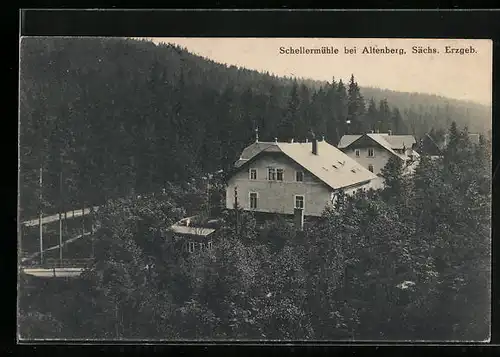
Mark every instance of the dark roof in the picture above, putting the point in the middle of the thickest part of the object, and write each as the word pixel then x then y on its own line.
pixel 429 147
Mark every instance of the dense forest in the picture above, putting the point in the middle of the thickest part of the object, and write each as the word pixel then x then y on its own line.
pixel 106 117
pixel 409 262
pixel 134 126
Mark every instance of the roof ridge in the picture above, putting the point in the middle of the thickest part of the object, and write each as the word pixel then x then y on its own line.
pixel 347 163
pixel 379 139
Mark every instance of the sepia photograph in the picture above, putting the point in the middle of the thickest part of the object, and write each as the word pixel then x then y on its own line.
pixel 254 189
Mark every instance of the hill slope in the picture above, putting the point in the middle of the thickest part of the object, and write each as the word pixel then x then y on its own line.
pixel 476 116
pixel 111 116
pixel 439 111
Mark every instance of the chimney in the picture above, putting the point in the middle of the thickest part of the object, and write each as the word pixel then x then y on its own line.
pixel 275 140
pixel 323 138
pixel 390 132
pixel 298 218
pixel 315 146
pixel 256 135
pixel 291 140
pixel 371 131
pixel 307 140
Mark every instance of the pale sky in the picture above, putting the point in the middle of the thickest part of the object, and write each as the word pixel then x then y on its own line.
pixel 460 76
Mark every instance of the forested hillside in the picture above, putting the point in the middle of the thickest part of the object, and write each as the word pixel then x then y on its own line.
pixel 424 110
pixel 409 262
pixel 106 117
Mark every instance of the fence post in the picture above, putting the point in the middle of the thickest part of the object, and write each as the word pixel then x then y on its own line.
pixel 40 223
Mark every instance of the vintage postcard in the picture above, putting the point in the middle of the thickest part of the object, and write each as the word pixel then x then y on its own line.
pixel 254 189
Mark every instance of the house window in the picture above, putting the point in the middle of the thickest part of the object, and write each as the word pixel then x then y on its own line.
pixel 299 176
pixel 370 153
pixel 202 246
pixel 191 247
pixel 299 201
pixel 370 167
pixel 253 200
pixel 209 245
pixel 356 152
pixel 253 174
pixel 271 174
pixel 274 174
pixel 279 174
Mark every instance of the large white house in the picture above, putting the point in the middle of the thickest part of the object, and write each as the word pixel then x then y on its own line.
pixel 373 150
pixel 279 177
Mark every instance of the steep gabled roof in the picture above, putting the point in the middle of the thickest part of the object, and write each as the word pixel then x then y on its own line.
pixel 395 141
pixel 347 140
pixel 388 142
pixel 400 141
pixel 252 150
pixel 330 165
pixel 429 147
pixel 384 143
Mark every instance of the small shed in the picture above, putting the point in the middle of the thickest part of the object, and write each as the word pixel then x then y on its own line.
pixel 194 238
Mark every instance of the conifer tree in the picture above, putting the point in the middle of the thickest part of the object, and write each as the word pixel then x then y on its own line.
pixel 288 126
pixel 341 112
pixel 393 175
pixel 397 124
pixel 355 107
pixel 319 121
pixel 371 115
pixel 384 117
pixel 303 119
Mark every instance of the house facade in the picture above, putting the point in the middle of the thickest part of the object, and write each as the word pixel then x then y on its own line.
pixel 280 177
pixel 373 150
